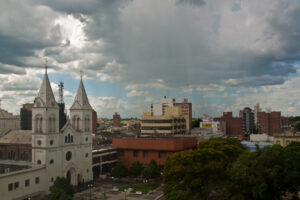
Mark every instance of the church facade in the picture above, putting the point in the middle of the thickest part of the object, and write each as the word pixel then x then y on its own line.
pixel 65 152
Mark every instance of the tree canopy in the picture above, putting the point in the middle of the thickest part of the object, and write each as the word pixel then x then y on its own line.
pixel 136 169
pixel 151 170
pixel 61 190
pixel 225 169
pixel 119 171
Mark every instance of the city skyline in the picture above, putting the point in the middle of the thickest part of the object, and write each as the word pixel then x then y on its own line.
pixel 222 56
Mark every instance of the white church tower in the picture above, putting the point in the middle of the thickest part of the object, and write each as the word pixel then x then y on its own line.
pixel 66 152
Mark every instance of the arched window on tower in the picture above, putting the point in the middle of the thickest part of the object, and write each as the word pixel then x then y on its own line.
pixel 51 124
pixel 38 124
pixel 87 123
pixel 75 122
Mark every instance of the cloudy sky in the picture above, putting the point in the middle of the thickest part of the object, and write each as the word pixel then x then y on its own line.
pixel 221 55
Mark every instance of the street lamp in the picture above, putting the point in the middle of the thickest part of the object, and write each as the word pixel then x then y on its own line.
pixel 90 186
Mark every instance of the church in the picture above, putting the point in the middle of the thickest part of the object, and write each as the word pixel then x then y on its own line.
pixel 65 152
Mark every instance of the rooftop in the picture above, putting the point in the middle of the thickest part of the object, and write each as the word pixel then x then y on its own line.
pixel 17 137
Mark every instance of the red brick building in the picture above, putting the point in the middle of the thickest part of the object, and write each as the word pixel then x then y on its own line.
pixel 155 148
pixel 234 125
pixel 16 145
pixel 186 109
pixel 116 120
pixel 269 123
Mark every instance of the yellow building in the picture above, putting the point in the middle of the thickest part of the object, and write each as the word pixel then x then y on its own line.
pixel 286 138
pixel 171 122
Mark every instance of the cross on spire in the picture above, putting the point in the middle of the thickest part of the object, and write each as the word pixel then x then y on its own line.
pixel 81 74
pixel 46 61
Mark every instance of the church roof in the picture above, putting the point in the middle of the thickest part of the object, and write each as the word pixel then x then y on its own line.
pixel 81 100
pixel 45 92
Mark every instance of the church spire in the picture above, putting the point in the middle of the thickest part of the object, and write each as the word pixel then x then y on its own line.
pixel 81 100
pixel 45 92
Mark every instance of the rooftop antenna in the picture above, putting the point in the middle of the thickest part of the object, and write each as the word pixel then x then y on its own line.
pixel 61 92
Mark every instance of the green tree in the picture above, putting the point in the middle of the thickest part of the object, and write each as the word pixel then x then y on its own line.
pixel 61 189
pixel 136 169
pixel 201 173
pixel 298 126
pixel 196 123
pixel 151 171
pixel 119 171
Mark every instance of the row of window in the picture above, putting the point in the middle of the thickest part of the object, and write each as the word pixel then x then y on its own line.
pixel 162 128
pixel 12 155
pixel 161 154
pixel 14 186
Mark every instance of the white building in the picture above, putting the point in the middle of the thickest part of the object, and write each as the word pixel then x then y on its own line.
pixel 158 109
pixel 55 153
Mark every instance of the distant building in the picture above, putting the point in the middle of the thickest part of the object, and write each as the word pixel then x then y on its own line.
pixel 234 125
pixel 25 116
pixel 256 110
pixel 62 115
pixel 116 120
pixel 16 145
pixel 170 123
pixel 185 108
pixel 248 120
pixel 94 122
pixel 269 123
pixel 210 126
pixel 8 121
pixel 146 149
pixel 286 138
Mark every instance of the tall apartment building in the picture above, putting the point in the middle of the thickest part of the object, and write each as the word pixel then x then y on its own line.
pixel 256 110
pixel 234 125
pixel 248 120
pixel 25 116
pixel 185 108
pixel 116 120
pixel 170 123
pixel 269 123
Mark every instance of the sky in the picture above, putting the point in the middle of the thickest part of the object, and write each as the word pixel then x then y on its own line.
pixel 221 55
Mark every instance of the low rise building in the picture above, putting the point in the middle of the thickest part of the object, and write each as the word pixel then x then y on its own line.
pixel 286 138
pixel 8 121
pixel 170 123
pixel 146 149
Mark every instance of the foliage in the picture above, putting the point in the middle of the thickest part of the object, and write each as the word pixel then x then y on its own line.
pixel 224 169
pixel 151 171
pixel 298 126
pixel 119 171
pixel 61 189
pixel 201 173
pixel 196 123
pixel 136 169
pixel 144 188
pixel 294 119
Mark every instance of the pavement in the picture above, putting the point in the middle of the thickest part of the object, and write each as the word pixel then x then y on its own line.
pixel 106 190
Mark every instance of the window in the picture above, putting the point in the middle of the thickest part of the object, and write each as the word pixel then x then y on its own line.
pixel 66 139
pixel 287 142
pixel 39 142
pixel 51 142
pixel 68 155
pixel 121 152
pixel 86 155
pixel 51 161
pixel 16 185
pixel 87 170
pixel 52 179
pixel 145 154
pixel 135 153
pixel 86 139
pixel 161 154
pixel 277 142
pixel 71 139
pixel 1 155
pixel 27 182
pixel 37 180
pixel 39 162
pixel 10 187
